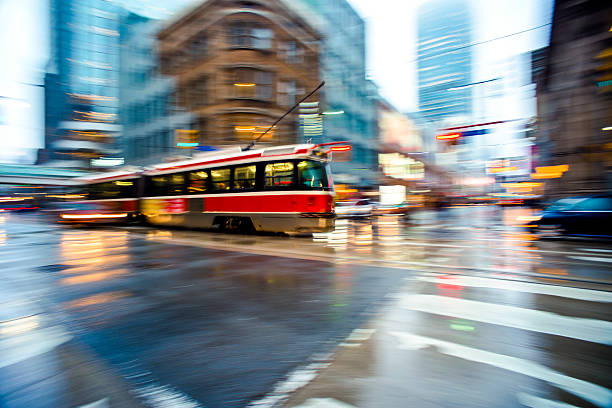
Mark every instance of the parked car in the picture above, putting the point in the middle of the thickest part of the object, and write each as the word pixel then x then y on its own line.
pixel 583 216
pixel 354 208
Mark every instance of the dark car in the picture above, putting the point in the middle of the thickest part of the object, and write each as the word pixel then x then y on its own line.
pixel 583 216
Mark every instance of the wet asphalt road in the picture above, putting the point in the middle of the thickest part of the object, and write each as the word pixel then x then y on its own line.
pixel 460 308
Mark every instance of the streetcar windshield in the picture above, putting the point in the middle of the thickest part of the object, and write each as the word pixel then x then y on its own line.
pixel 312 174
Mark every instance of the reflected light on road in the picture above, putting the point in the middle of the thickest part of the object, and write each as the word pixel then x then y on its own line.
pixel 20 325
pixel 462 325
pixel 97 299
pixel 448 282
pixel 153 235
pixel 93 277
pixel 552 271
pixel 363 236
pixel 389 231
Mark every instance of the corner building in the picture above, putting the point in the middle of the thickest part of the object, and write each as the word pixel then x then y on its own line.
pixel 239 66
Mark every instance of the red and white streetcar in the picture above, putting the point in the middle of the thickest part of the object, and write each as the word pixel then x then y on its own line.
pixel 275 189
pixel 107 198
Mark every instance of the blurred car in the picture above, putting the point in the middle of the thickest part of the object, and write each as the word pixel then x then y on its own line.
pixel 354 208
pixel 18 204
pixel 581 216
pixel 523 200
pixel 394 209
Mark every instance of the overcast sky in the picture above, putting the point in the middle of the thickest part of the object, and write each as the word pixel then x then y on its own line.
pixel 391 40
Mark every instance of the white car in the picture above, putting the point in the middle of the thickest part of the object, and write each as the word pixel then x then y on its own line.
pixel 354 208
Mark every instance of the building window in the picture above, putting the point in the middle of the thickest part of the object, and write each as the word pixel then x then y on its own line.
pixel 250 36
pixel 252 83
pixel 248 127
pixel 286 93
pixel 197 92
pixel 291 52
pixel 278 175
pixel 198 47
pixel 244 178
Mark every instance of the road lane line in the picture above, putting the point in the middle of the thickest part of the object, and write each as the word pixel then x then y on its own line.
pixel 596 331
pixel 526 287
pixel 161 396
pixel 591 258
pixel 102 403
pixel 324 403
pixel 532 401
pixel 297 379
pixel 596 394
pixel 595 250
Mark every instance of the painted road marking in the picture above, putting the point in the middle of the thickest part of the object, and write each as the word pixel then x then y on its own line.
pixel 102 403
pixel 324 403
pixel 532 401
pixel 297 379
pixel 360 334
pixel 595 250
pixel 552 290
pixel 596 331
pixel 15 349
pixel 591 392
pixel 591 258
pixel 161 396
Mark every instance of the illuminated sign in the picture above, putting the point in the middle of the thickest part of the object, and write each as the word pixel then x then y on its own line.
pixel 449 136
pixel 107 161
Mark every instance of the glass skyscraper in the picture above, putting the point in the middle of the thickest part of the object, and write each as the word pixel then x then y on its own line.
pixel 81 83
pixel 444 60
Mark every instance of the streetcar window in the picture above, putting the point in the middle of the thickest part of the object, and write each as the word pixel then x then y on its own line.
pixel 311 174
pixel 198 182
pixel 158 186
pixel 176 184
pixel 244 177
pixel 278 174
pixel 111 189
pixel 220 179
pixel 127 188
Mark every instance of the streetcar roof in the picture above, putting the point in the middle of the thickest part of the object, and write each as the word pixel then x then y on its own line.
pixel 122 174
pixel 236 155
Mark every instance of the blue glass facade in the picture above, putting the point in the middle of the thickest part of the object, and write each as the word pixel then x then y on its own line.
pixel 443 60
pixel 147 107
pixel 342 64
pixel 81 84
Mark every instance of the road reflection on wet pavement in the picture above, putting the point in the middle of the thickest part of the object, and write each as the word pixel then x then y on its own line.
pixel 457 308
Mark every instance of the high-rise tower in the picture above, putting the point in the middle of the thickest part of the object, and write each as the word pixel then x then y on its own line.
pixel 444 59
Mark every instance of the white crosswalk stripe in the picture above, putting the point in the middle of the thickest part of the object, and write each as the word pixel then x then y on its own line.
pixel 592 330
pixel 527 287
pixel 588 391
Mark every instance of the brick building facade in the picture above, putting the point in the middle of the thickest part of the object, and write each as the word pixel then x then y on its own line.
pixel 239 66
